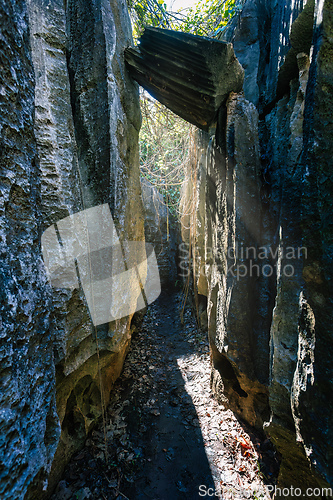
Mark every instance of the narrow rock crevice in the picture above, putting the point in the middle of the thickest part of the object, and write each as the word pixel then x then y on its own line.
pixel 166 435
pixel 244 402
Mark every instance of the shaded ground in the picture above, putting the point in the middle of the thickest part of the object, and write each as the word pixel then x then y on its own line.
pixel 168 439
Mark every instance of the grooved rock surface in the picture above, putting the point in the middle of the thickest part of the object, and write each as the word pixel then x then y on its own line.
pixel 193 223
pixel 234 297
pixel 69 131
pixel 313 381
pixel 268 190
pixel 191 75
pixel 28 420
pixel 162 231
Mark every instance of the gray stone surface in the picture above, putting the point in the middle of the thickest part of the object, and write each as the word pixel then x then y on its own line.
pixel 162 231
pixel 312 385
pixel 28 421
pixel 268 185
pixel 69 129
pixel 193 223
pixel 191 75
pixel 246 42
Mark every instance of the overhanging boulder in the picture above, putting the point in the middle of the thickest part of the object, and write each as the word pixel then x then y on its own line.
pixel 191 75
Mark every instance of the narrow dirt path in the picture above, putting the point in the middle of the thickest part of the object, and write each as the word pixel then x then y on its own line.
pixel 168 439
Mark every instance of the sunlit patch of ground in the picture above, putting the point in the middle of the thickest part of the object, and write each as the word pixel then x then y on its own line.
pixel 166 436
pixel 232 456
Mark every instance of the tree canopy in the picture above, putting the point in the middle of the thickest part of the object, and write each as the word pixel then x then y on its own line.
pixel 166 139
pixel 206 17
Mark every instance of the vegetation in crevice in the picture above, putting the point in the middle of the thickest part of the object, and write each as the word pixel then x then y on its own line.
pixel 166 140
pixel 206 18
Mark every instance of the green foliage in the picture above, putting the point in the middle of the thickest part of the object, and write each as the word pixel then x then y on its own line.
pixel 148 13
pixel 164 149
pixel 207 17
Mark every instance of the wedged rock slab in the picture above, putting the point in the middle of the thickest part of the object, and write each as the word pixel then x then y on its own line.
pixel 191 75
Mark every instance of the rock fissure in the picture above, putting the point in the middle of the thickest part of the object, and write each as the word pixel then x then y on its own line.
pixel 166 434
pixel 192 406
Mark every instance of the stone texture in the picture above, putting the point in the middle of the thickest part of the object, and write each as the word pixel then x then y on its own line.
pixel 287 118
pixel 193 222
pixel 268 187
pixel 234 295
pixel 69 131
pixel 225 218
pixel 246 43
pixel 162 231
pixel 299 384
pixel 281 17
pixel 301 40
pixel 312 385
pixel 28 419
pixel 191 75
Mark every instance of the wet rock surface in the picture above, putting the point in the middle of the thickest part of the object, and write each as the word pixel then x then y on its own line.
pixel 165 433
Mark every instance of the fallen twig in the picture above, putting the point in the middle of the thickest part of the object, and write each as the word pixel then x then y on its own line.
pixel 189 449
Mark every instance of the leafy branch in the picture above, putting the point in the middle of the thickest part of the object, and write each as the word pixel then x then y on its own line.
pixel 165 139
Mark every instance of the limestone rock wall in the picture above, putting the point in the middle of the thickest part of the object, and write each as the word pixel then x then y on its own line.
pixel 162 231
pixel 69 141
pixel 268 191
pixel 193 221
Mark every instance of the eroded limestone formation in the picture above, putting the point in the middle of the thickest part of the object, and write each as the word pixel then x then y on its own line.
pixel 69 141
pixel 191 75
pixel 264 193
pixel 262 184
pixel 162 231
